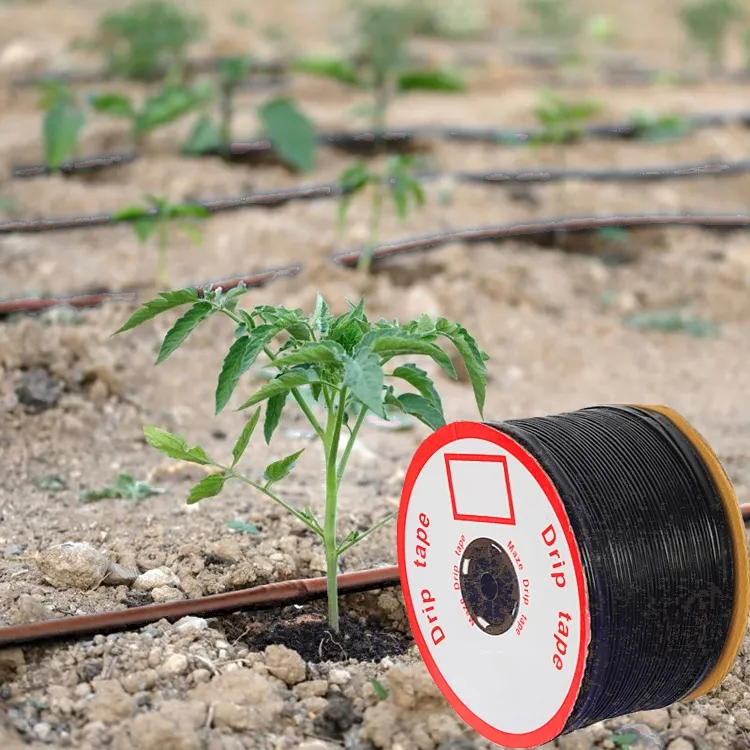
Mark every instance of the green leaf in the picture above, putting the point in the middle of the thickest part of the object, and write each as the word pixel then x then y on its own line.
pixel 379 690
pixel 62 127
pixel 430 80
pixel 210 486
pixel 395 343
pixel 472 357
pixel 175 446
pixel 240 358
pixel 274 408
pixel 145 227
pixel 167 106
pixel 244 527
pixel 244 439
pixel 425 410
pixel 203 137
pixel 328 67
pixel 281 384
pixel 419 379
pixel 113 105
pixel 165 301
pixel 232 70
pixel 182 328
pixel 277 470
pixel 187 211
pixel 291 132
pixel 193 233
pixel 321 319
pixel 323 352
pixel 363 376
pixel 130 213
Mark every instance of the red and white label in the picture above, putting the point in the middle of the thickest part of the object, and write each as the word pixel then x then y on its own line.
pixel 468 481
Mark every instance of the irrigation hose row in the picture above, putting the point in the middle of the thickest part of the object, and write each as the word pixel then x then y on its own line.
pixel 259 597
pixel 545 231
pixel 495 178
pixel 399 139
pixel 277 69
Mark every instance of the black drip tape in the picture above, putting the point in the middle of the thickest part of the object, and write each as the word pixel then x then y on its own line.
pixel 656 550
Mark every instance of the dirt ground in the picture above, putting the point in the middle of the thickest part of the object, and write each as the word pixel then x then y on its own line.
pixel 73 400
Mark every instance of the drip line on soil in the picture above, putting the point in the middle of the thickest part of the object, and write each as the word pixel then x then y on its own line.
pixel 397 139
pixel 611 73
pixel 277 198
pixel 551 228
pixel 546 231
pixel 38 304
pixel 102 75
pixel 269 596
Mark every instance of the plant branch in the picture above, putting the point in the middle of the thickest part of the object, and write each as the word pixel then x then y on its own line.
pixel 350 442
pixel 311 523
pixel 382 522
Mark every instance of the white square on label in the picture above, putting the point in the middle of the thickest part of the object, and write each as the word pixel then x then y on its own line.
pixel 479 487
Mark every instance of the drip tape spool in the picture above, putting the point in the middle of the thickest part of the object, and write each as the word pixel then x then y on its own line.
pixel 560 571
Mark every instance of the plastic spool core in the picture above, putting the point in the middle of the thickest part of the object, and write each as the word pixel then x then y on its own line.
pixel 489 586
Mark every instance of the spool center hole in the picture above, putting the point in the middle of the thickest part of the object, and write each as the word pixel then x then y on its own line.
pixel 489 586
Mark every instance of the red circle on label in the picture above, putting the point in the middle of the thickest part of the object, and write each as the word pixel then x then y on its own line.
pixel 439 439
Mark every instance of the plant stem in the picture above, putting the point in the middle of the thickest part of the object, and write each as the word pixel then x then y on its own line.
pixel 225 126
pixel 333 433
pixel 162 275
pixel 382 522
pixel 365 259
pixel 350 442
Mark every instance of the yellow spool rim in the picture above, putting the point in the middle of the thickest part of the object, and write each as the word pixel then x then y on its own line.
pixel 738 622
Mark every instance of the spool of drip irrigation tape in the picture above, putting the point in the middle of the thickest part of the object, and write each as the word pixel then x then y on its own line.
pixel 564 570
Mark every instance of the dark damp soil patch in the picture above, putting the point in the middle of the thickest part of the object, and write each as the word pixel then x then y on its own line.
pixel 306 631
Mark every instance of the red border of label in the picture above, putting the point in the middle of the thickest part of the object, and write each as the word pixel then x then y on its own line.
pixel 483 458
pixel 439 439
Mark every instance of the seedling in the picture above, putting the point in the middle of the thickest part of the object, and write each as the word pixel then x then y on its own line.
pixel 167 106
pixel 242 527
pixel 453 20
pixel 147 39
pixel 554 21
pixel 381 62
pixel 62 124
pixel 125 488
pixel 707 23
pixel 653 127
pixel 282 122
pixel 347 361
pixel 561 122
pixel 672 320
pixel 157 218
pixel 397 181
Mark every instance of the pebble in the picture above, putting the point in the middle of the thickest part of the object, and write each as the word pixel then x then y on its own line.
pixel 175 664
pixel 694 723
pixel 742 719
pixel 680 744
pixel 42 730
pixel 155 578
pixel 166 594
pixel 200 676
pixel 285 664
pixel 658 719
pixel 72 565
pixel 339 676
pixel 191 624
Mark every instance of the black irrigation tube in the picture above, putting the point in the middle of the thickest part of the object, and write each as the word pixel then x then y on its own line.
pixel 544 231
pixel 102 75
pixel 614 73
pixel 402 139
pixel 39 304
pixel 278 198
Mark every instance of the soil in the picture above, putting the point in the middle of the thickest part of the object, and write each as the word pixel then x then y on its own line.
pixel 561 325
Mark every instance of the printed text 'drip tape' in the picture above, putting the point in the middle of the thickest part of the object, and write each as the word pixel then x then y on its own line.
pixel 479 486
